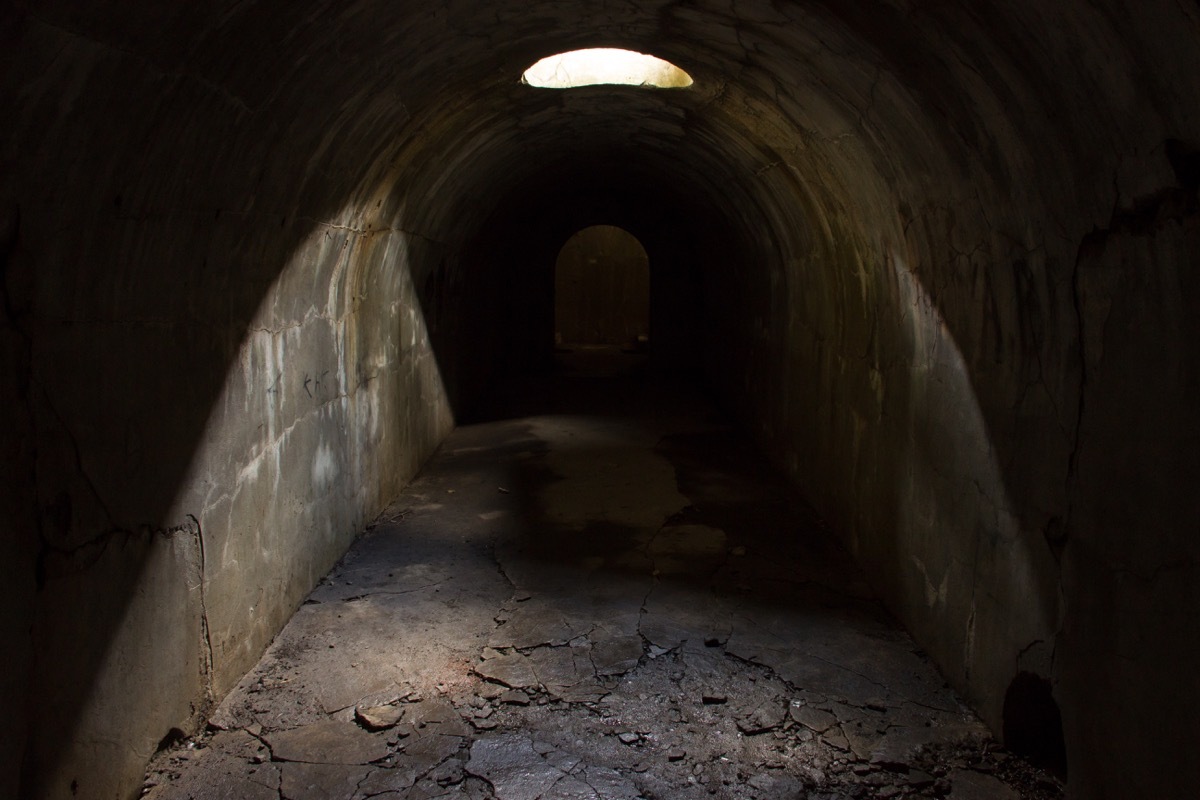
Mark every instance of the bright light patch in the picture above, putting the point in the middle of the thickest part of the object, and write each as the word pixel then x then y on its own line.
pixel 605 65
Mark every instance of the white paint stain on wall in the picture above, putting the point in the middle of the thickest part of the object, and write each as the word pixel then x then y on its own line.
pixel 324 467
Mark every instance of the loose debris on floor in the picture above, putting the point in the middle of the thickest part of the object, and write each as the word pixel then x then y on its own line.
pixel 583 605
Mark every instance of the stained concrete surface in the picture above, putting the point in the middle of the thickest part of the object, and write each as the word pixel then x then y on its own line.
pixel 604 593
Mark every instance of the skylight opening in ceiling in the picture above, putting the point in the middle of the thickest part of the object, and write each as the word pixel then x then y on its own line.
pixel 605 65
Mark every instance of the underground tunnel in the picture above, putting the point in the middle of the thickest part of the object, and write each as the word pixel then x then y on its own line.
pixel 936 261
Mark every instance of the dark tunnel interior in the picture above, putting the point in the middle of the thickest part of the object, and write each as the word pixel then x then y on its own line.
pixel 937 260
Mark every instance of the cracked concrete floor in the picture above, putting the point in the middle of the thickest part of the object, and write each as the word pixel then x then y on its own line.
pixel 604 594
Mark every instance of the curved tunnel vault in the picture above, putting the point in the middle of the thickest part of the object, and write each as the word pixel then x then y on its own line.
pixel 940 262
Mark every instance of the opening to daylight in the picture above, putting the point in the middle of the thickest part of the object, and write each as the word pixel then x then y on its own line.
pixel 602 290
pixel 603 65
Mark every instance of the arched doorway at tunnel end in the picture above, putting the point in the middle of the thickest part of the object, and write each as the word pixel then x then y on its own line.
pixel 602 291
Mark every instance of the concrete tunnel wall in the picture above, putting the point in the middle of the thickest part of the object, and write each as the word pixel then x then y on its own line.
pixel 941 262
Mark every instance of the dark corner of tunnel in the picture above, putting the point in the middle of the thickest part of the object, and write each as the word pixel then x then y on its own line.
pixel 1033 725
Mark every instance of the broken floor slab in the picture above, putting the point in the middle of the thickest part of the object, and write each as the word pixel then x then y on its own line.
pixel 329 742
